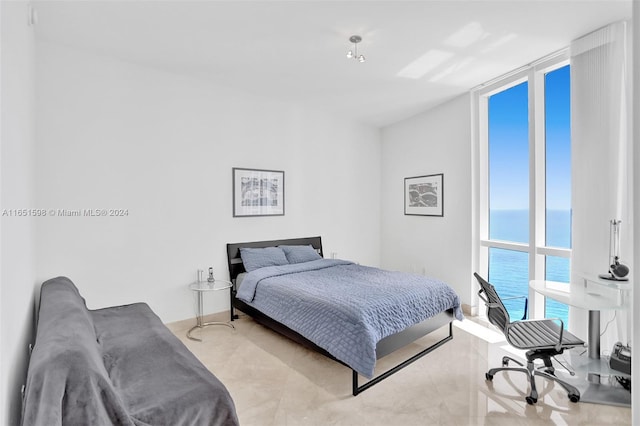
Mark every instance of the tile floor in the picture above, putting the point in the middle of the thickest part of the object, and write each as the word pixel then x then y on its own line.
pixel 275 381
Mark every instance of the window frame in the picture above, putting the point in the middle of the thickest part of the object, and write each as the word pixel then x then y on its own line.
pixel 534 75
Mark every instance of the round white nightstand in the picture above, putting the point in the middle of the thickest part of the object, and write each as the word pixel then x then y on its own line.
pixel 200 288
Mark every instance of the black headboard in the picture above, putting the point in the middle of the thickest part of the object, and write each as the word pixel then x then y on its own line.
pixel 235 261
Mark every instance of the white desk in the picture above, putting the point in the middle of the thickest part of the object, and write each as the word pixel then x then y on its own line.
pixel 594 295
pixel 597 385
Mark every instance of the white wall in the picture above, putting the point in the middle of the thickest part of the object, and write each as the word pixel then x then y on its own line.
pixel 635 367
pixel 437 141
pixel 17 259
pixel 113 134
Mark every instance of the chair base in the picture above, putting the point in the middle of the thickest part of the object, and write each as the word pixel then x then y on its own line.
pixel 546 371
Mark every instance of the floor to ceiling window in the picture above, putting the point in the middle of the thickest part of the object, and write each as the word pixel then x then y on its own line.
pixel 508 124
pixel 557 120
pixel 525 182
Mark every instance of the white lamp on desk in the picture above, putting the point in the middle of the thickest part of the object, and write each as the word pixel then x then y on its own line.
pixel 617 271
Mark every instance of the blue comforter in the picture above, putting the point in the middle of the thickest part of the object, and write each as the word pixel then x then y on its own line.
pixel 346 308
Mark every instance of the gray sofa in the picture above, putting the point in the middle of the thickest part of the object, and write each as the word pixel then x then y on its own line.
pixel 115 366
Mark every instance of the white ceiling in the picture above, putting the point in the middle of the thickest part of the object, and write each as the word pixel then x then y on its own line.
pixel 295 50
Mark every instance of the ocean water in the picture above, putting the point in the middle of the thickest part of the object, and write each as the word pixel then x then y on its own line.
pixel 509 270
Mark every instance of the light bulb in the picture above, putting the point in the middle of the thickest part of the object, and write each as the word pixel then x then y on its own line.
pixel 350 54
pixel 361 58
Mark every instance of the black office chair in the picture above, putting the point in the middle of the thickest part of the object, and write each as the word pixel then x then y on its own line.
pixel 544 339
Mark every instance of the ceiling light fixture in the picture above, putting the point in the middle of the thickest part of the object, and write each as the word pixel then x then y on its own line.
pixel 353 54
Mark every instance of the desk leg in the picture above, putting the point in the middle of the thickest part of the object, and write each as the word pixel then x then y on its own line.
pixel 594 334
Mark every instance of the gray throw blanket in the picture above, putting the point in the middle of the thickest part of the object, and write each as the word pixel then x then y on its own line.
pixel 346 308
pixel 115 366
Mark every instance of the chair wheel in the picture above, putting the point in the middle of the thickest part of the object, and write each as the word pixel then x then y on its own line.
pixel 574 398
pixel 531 400
pixel 488 376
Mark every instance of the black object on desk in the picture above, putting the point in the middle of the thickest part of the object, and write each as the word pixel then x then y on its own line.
pixel 621 358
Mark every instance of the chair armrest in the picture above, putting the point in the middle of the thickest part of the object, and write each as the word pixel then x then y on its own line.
pixel 486 301
pixel 559 345
pixel 526 303
pixel 513 297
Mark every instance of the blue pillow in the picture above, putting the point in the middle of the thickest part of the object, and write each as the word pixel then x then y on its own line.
pixel 255 258
pixel 299 254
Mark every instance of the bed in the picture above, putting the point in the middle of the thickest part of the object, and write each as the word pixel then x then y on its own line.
pixel 289 287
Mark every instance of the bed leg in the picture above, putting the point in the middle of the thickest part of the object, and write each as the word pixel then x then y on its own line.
pixel 358 389
pixel 231 309
pixel 355 388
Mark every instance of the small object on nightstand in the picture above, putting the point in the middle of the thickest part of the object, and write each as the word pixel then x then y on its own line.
pixel 211 279
pixel 200 275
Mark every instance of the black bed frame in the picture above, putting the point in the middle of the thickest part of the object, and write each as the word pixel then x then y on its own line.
pixel 384 347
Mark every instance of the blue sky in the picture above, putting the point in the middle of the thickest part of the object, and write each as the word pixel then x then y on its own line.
pixel 558 138
pixel 509 147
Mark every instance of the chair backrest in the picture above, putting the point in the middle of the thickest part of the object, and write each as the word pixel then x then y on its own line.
pixel 496 312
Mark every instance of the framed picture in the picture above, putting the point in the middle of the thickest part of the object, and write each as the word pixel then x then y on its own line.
pixel 424 195
pixel 258 192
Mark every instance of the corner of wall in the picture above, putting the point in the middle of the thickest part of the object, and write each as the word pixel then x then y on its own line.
pixel 17 239
pixel 636 207
pixel 435 141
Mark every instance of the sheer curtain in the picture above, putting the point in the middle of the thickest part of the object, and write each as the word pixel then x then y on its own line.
pixel 601 163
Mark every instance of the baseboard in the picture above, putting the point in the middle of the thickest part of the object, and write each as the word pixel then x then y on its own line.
pixel 468 310
pixel 190 322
